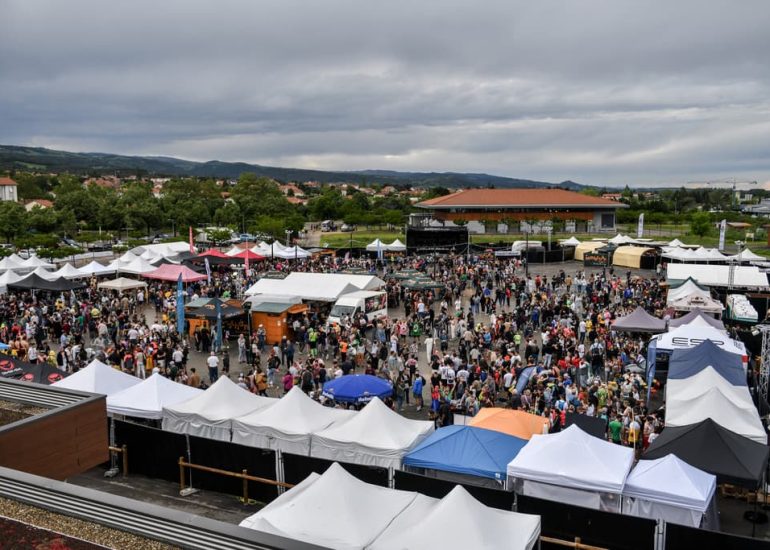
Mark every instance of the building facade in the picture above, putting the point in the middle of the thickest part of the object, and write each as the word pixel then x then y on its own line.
pixel 525 210
pixel 8 190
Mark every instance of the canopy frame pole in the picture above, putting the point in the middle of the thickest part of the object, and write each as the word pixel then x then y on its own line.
pixel 764 364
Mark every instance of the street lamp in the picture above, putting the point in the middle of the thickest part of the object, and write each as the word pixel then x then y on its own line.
pixel 247 308
pixel 288 236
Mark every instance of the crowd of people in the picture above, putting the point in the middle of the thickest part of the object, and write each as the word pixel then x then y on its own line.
pixel 489 333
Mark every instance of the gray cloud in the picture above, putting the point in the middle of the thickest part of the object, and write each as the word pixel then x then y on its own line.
pixel 601 91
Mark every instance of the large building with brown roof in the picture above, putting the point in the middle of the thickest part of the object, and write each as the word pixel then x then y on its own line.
pixel 525 207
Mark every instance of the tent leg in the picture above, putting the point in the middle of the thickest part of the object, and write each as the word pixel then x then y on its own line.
pixel 391 478
pixel 279 473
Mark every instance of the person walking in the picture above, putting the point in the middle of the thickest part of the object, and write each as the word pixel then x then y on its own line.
pixel 213 364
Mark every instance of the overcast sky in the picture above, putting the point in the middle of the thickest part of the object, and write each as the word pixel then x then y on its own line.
pixel 601 92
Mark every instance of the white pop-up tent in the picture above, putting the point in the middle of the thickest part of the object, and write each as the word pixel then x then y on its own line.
pixel 8 278
pixel 593 476
pixel 396 246
pixel 430 523
pixel 147 399
pixel 121 284
pixel 33 262
pixel 287 425
pixel 376 436
pixel 44 273
pixel 709 395
pixel 671 490
pixel 95 268
pixel 746 255
pixel 137 266
pixel 572 241
pixel 742 276
pixel 695 332
pixel 330 510
pixel 68 271
pixel 687 288
pixel 98 378
pixel 376 245
pixel 9 264
pixel 210 413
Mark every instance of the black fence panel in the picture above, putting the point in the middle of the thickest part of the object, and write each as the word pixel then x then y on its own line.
pixel 679 536
pixel 604 529
pixel 297 467
pixel 438 488
pixel 233 458
pixel 151 452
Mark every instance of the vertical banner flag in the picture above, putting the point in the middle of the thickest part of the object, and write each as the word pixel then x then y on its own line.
pixel 379 249
pixel 722 230
pixel 179 307
pixel 208 269
pixel 219 324
pixel 640 227
pixel 192 248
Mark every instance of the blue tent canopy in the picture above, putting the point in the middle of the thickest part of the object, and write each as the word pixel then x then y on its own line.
pixel 357 388
pixel 685 363
pixel 466 450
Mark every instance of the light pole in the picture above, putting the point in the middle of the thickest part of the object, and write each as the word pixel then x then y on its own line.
pixel 288 236
pixel 247 309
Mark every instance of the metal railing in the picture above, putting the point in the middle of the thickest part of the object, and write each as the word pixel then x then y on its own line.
pixel 243 475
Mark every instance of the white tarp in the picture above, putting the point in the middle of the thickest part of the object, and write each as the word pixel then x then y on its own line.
pixel 95 268
pixel 98 378
pixel 147 399
pixel 210 413
pixel 746 255
pixel 747 276
pixel 668 489
pixel 34 262
pixel 9 264
pixel 687 288
pixel 693 333
pixel 376 436
pixel 709 395
pixel 594 466
pixel 68 271
pixel 430 523
pixel 316 286
pixel 138 266
pixel 287 425
pixel 333 510
pixel 122 283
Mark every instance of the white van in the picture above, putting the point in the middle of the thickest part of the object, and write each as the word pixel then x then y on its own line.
pixel 373 303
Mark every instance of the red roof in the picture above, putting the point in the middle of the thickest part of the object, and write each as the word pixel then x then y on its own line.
pixel 253 257
pixel 171 272
pixel 45 203
pixel 7 181
pixel 212 252
pixel 507 198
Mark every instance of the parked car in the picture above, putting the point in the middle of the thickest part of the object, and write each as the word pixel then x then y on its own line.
pixel 347 228
pixel 246 237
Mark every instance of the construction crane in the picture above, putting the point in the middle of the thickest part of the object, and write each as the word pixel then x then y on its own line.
pixel 733 182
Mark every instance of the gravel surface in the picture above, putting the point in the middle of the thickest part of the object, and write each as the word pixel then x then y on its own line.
pixel 84 530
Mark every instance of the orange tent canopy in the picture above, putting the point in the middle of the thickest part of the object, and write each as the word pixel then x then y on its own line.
pixel 516 423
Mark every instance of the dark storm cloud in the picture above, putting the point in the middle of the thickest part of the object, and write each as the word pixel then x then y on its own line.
pixel 596 91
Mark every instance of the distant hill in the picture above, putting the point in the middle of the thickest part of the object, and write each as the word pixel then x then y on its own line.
pixel 14 157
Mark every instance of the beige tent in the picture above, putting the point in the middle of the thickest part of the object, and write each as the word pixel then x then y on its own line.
pixel 633 256
pixel 585 247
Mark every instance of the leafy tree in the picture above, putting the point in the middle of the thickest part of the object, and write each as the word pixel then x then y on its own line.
pixel 700 224
pixel 13 219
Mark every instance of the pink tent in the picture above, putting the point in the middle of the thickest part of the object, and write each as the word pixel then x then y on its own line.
pixel 252 256
pixel 171 272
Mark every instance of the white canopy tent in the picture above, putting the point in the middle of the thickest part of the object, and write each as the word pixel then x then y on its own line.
pixel 147 399
pixel 621 239
pixel 376 245
pixel 8 278
pixel 127 257
pixel 138 266
pixel 44 273
pixel 330 510
pixel 695 332
pixel 746 256
pixel 234 250
pixel 593 476
pixel 743 276
pixel 287 425
pixel 692 302
pixel 33 262
pixel 163 249
pixel 210 413
pixel 671 490
pixel 709 395
pixel 687 288
pixel 68 271
pixel 95 269
pixel 679 254
pixel 376 436
pixel 316 286
pixel 572 241
pixel 9 264
pixel 397 246
pixel 98 378
pixel 121 284
pixel 291 253
pixel 429 523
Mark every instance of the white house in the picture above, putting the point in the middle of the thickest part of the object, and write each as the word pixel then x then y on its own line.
pixel 8 189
